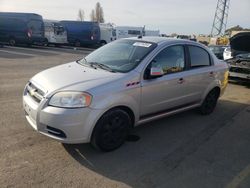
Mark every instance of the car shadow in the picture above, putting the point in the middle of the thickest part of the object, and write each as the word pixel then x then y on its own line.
pixel 164 144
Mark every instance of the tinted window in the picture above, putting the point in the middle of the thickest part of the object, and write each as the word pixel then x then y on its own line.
pixel 171 59
pixel 198 56
pixel 134 32
pixel 36 26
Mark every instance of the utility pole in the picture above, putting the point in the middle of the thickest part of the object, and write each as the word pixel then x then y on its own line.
pixel 220 18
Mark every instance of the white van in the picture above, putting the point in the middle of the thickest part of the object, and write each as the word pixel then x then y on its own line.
pixel 108 33
pixel 55 33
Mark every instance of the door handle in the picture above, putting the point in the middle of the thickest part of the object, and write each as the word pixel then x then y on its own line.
pixel 211 74
pixel 181 80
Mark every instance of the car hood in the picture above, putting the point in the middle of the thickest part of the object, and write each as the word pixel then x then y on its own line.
pixel 240 43
pixel 67 76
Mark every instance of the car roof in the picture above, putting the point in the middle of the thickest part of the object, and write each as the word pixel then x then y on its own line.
pixel 160 40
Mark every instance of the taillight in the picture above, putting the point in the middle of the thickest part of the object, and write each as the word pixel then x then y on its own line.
pixel 29 33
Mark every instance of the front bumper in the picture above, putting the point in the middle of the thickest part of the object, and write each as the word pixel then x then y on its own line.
pixel 64 125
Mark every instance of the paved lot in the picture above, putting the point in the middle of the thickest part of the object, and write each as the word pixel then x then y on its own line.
pixel 185 150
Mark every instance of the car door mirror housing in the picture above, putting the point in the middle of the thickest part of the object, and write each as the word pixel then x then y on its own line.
pixel 156 72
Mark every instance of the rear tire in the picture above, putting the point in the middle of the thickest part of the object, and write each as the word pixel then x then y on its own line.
pixel 12 42
pixel 111 130
pixel 209 103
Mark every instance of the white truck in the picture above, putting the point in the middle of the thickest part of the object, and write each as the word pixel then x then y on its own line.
pixel 108 33
pixel 55 33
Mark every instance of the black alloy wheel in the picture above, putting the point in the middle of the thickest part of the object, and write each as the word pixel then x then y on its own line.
pixel 111 130
pixel 209 102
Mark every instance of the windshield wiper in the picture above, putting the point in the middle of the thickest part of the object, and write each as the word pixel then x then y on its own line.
pixel 100 65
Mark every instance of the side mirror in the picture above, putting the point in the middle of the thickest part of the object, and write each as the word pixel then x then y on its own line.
pixel 156 72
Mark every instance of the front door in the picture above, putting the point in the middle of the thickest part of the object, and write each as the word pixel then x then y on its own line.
pixel 170 90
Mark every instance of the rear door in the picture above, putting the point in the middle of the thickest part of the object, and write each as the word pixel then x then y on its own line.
pixel 200 73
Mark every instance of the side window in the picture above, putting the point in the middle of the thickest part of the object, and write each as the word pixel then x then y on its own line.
pixel 134 32
pixel 35 25
pixel 199 57
pixel 171 59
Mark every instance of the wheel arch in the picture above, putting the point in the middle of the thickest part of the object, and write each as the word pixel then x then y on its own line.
pixel 216 88
pixel 122 107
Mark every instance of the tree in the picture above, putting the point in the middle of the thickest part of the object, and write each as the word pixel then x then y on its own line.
pixel 97 14
pixel 235 28
pixel 92 16
pixel 80 16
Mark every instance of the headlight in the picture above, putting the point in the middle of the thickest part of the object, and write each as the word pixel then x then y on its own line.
pixel 70 99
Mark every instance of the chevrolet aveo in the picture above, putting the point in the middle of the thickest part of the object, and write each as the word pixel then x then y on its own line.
pixel 99 98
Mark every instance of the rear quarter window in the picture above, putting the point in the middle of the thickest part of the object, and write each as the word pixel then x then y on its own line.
pixel 198 57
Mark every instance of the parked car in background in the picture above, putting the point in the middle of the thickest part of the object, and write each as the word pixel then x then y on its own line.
pixel 82 33
pixel 108 33
pixel 25 28
pixel 240 62
pixel 227 54
pixel 217 50
pixel 125 83
pixel 55 33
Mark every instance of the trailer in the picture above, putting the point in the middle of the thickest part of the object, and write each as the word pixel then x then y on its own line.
pixel 128 31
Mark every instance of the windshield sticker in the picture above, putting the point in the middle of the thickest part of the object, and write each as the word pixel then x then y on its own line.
pixel 142 44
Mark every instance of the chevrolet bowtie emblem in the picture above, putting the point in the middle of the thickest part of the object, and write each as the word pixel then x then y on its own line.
pixel 32 92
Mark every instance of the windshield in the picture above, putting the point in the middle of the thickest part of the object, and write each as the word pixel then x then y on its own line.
pixel 58 29
pixel 121 55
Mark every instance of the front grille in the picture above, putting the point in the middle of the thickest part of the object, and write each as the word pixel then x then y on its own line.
pixel 35 93
pixel 240 70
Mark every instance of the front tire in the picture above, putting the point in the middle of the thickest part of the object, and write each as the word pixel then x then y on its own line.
pixel 209 102
pixel 111 130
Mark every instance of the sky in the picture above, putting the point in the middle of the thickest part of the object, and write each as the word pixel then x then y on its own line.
pixel 168 16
